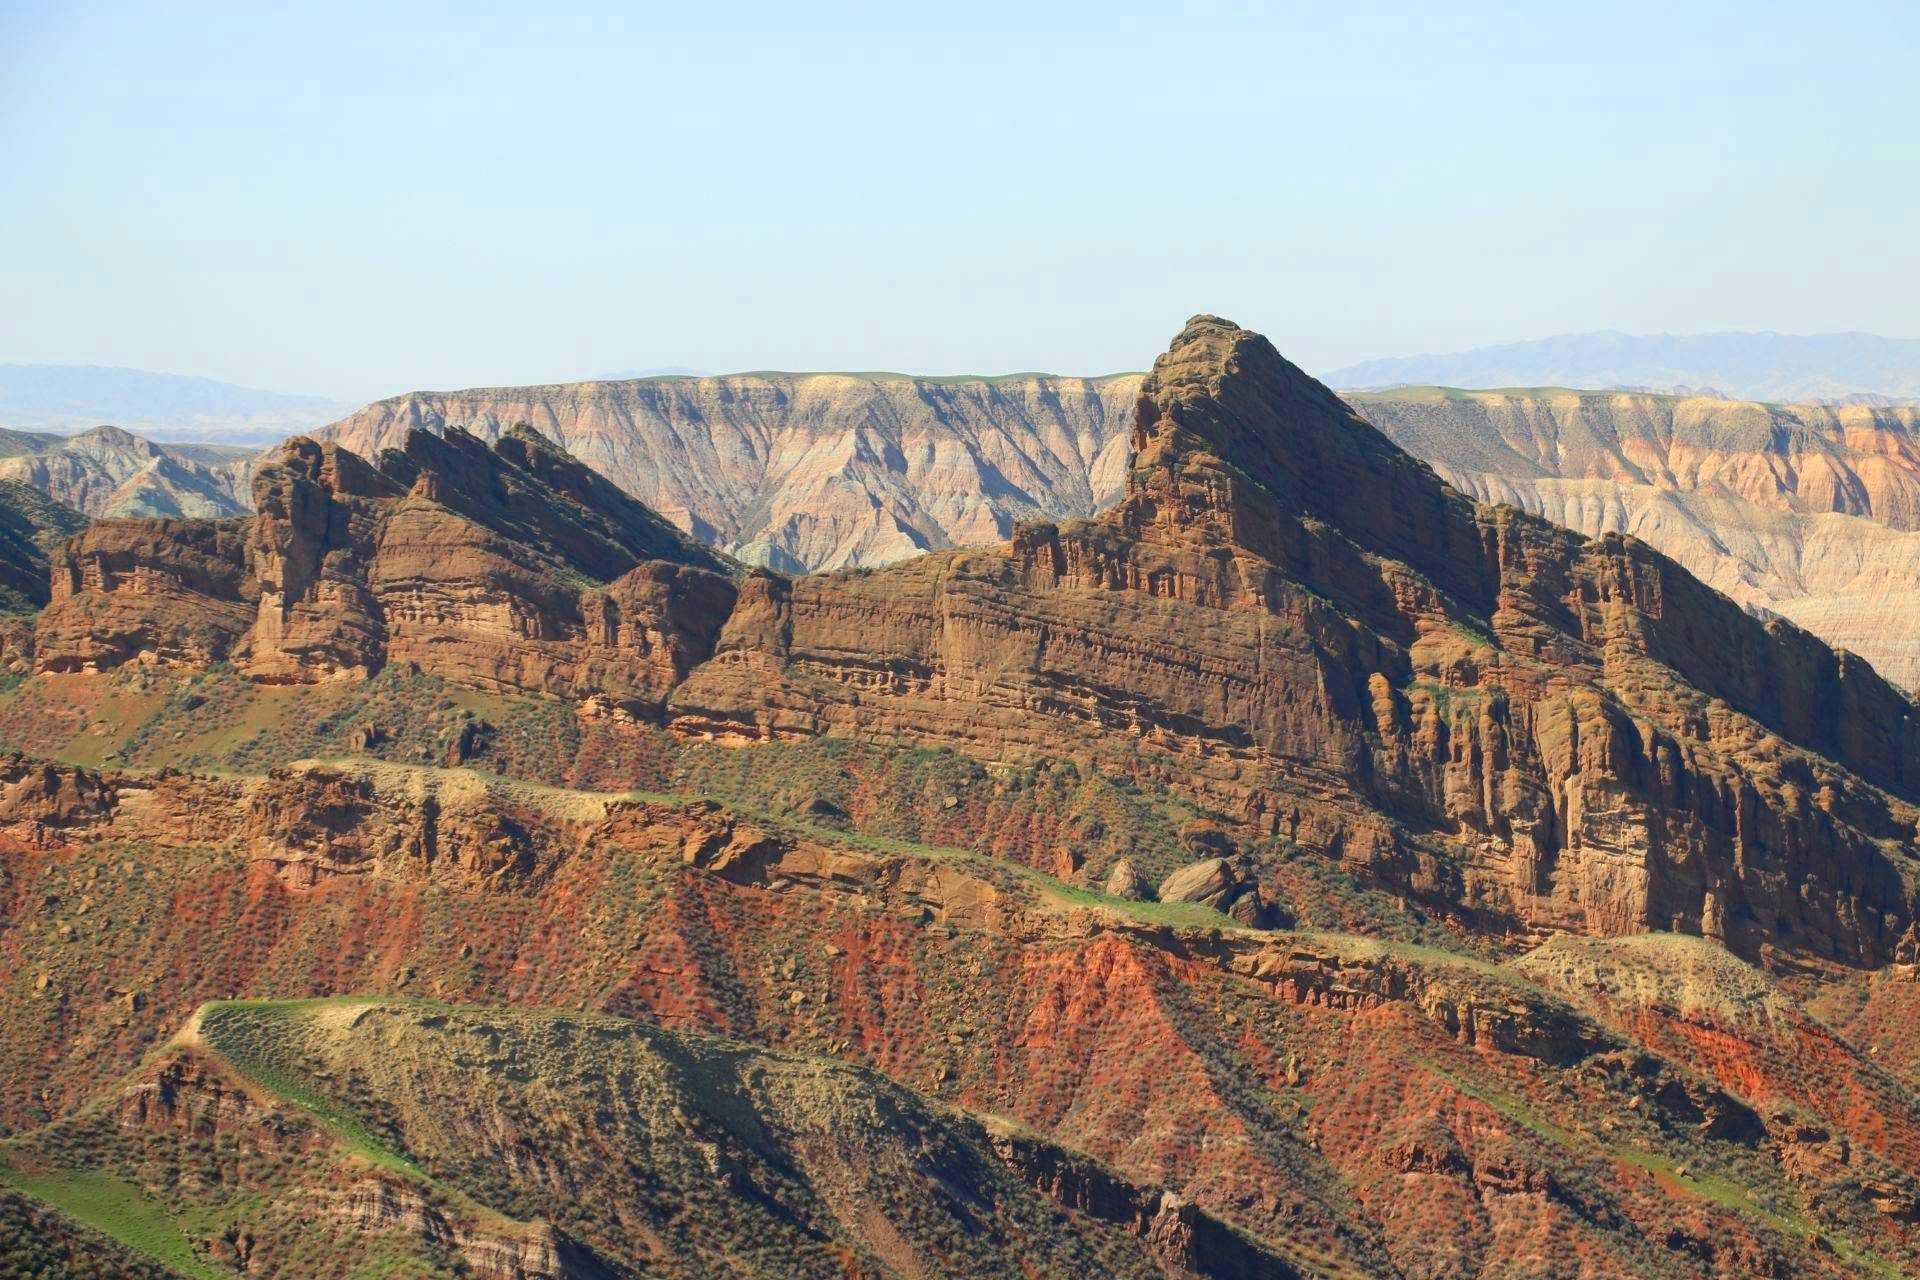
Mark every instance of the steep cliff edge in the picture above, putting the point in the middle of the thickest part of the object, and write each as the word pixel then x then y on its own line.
pixel 1806 511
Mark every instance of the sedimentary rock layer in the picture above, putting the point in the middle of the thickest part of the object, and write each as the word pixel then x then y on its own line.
pixel 1297 623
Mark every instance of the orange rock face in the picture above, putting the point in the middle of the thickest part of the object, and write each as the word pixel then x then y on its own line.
pixel 1811 512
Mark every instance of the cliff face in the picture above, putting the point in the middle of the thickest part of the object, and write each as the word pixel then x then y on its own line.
pixel 1302 625
pixel 511 567
pixel 1813 459
pixel 1291 621
pixel 1809 512
pixel 813 471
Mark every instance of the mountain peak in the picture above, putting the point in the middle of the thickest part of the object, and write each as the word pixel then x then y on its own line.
pixel 1234 394
pixel 1231 434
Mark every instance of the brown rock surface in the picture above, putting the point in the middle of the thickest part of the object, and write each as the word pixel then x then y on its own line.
pixel 1811 512
pixel 1296 624
pixel 1300 624
pixel 511 567
pixel 148 591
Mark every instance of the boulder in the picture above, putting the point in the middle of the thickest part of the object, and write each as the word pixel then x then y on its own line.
pixel 1125 881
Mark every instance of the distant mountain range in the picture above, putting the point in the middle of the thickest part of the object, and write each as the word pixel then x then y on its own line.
pixel 1848 367
pixel 161 406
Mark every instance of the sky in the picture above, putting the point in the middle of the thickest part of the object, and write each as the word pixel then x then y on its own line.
pixel 356 201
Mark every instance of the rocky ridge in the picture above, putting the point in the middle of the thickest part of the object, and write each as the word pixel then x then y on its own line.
pixel 1317 633
pixel 512 566
pixel 1806 511
pixel 860 821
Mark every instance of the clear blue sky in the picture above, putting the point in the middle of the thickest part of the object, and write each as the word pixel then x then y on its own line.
pixel 355 200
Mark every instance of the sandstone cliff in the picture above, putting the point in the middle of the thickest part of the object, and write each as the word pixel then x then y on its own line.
pixel 511 567
pixel 1809 512
pixel 1302 625
pixel 813 471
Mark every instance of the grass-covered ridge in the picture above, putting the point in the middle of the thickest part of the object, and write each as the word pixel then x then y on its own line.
pixel 731 1156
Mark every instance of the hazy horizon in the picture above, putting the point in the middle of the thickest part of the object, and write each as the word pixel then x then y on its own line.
pixel 364 203
pixel 681 371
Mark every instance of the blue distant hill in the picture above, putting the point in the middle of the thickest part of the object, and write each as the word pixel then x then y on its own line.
pixel 1745 366
pixel 162 406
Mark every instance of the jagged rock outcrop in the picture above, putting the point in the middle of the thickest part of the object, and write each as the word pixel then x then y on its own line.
pixel 314 824
pixel 1320 638
pixel 37 796
pixel 1806 511
pixel 513 567
pixel 148 591
pixel 813 471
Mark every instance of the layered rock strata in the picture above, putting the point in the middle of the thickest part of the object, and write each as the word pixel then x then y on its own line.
pixel 1289 620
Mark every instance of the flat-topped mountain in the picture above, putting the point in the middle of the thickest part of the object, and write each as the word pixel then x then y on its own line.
pixel 818 470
